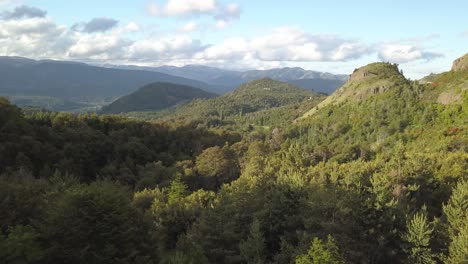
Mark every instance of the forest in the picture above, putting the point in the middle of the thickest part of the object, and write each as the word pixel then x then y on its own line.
pixel 375 173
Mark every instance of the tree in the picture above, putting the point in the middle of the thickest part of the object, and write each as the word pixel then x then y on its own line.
pixel 457 216
pixel 21 246
pixel 94 224
pixel 458 250
pixel 418 237
pixel 217 165
pixel 252 249
pixel 321 253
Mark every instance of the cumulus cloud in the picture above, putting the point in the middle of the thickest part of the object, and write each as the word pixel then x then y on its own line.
pixel 183 8
pixel 23 12
pixel 229 12
pixel 99 47
pixel 221 24
pixel 164 49
pixel 227 15
pixel 131 27
pixel 189 27
pixel 223 15
pixel 33 37
pixel 99 24
pixel 287 44
pixel 102 40
pixel 402 53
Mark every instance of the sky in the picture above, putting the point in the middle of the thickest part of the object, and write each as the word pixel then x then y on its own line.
pixel 331 36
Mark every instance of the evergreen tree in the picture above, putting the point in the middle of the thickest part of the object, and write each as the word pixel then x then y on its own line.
pixel 418 237
pixel 457 215
pixel 252 249
pixel 321 253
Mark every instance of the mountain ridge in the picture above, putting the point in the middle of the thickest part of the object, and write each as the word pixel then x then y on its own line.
pixel 249 97
pixel 228 80
pixel 76 82
pixel 154 97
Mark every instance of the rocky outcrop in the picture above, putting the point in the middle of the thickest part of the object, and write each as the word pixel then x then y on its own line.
pixel 449 98
pixel 360 75
pixel 461 64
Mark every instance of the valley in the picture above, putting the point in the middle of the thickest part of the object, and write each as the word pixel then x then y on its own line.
pixel 269 172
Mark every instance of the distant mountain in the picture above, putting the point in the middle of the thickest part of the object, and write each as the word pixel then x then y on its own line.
pixel 154 97
pixel 228 80
pixel 318 85
pixel 76 82
pixel 250 97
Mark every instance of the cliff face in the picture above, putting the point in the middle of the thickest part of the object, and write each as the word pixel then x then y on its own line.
pixel 460 64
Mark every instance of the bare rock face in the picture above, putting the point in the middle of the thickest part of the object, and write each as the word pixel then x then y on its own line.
pixel 360 74
pixel 374 71
pixel 449 98
pixel 461 64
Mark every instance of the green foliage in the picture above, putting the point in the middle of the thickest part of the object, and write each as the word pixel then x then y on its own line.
pixel 458 250
pixel 21 199
pixel 457 216
pixel 321 253
pixel 217 165
pixel 94 224
pixel 248 98
pixel 418 237
pixel 92 147
pixel 21 246
pixel 252 249
pixel 457 208
pixel 237 180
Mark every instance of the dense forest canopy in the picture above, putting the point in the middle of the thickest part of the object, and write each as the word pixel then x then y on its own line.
pixel 375 173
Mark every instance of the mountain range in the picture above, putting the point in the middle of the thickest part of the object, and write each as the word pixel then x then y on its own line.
pixel 227 80
pixel 78 87
pixel 71 86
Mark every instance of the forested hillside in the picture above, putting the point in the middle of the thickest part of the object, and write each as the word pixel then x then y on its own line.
pixel 375 173
pixel 250 97
pixel 154 97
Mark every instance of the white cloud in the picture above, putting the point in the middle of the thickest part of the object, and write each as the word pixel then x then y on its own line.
pixel 464 34
pixel 221 24
pixel 163 49
pixel 189 27
pixel 40 37
pixel 402 53
pixel 287 44
pixel 131 27
pixel 100 46
pixel 183 8
pixel 227 15
pixel 230 12
pixel 33 37
pixel 223 15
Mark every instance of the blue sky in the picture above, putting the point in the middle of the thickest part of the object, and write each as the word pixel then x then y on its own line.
pixel 333 36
